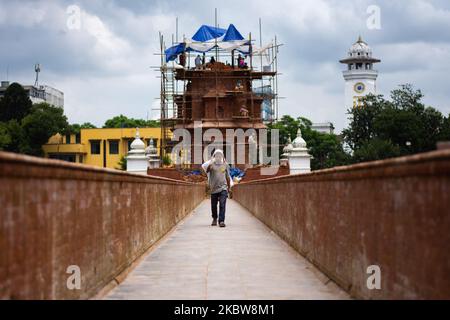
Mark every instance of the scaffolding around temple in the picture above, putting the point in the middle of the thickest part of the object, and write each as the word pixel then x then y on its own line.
pixel 259 74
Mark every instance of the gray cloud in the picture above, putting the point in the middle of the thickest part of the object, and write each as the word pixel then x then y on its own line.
pixel 104 68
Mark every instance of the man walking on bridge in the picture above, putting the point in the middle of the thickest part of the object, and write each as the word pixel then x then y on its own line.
pixel 220 184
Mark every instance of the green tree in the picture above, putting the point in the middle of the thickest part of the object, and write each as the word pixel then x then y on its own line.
pixel 166 160
pixel 124 122
pixel 88 125
pixel 361 128
pixel 287 128
pixel 5 138
pixel 376 149
pixel 326 149
pixel 43 122
pixel 400 126
pixel 15 104
pixel 122 164
pixel 445 132
pixel 75 128
pixel 16 138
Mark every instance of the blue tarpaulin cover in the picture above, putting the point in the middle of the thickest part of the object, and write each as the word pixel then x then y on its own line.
pixel 206 33
pixel 232 34
pixel 173 52
pixel 201 44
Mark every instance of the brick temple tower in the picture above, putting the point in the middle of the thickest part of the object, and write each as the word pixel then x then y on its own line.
pixel 220 97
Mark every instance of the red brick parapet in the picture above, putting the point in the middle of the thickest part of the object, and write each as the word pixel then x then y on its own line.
pixel 56 214
pixel 393 213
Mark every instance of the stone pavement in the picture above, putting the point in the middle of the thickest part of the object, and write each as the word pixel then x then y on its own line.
pixel 245 260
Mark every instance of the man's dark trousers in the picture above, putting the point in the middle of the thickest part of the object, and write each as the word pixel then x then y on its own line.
pixel 220 197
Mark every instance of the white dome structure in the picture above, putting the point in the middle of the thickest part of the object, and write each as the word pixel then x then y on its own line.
pixel 136 160
pixel 284 159
pixel 299 158
pixel 299 142
pixel 137 143
pixel 360 49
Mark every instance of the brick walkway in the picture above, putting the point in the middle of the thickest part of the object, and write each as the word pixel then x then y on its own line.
pixel 245 260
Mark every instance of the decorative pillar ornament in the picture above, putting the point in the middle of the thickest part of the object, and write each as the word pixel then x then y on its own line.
pixel 152 155
pixel 286 150
pixel 137 162
pixel 299 158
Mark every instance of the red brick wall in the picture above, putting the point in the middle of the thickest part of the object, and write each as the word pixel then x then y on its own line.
pixel 169 173
pixel 56 214
pixel 252 174
pixel 393 213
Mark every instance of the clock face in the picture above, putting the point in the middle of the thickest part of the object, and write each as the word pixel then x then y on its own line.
pixel 360 87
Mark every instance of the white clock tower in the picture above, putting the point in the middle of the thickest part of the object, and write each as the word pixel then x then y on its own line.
pixel 360 77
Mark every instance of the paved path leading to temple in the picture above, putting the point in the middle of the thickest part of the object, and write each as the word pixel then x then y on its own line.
pixel 245 260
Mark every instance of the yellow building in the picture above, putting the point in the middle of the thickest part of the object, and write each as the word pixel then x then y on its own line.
pixel 98 147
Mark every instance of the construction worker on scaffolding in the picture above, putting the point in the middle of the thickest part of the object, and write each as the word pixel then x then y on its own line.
pixel 198 62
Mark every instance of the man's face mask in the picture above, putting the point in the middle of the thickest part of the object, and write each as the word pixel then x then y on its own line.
pixel 218 158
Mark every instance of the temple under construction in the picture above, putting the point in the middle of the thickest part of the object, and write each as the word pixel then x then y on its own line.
pixel 217 80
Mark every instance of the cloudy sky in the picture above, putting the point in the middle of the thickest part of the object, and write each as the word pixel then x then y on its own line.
pixel 104 67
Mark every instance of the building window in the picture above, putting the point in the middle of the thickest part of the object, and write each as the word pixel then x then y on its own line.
pixel 78 138
pixel 64 157
pixel 114 147
pixel 95 146
pixel 67 138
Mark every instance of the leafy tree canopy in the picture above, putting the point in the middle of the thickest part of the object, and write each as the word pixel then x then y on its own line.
pixel 124 122
pixel 383 128
pixel 75 128
pixel 32 131
pixel 15 103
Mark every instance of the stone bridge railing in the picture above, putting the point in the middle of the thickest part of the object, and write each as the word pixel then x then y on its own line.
pixel 394 214
pixel 58 218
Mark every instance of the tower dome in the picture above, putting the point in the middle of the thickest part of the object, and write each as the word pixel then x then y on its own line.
pixel 360 49
pixel 360 52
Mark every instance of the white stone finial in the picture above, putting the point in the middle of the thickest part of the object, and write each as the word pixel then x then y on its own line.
pixel 152 155
pixel 299 142
pixel 299 158
pixel 288 147
pixel 136 159
pixel 137 144
pixel 151 148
